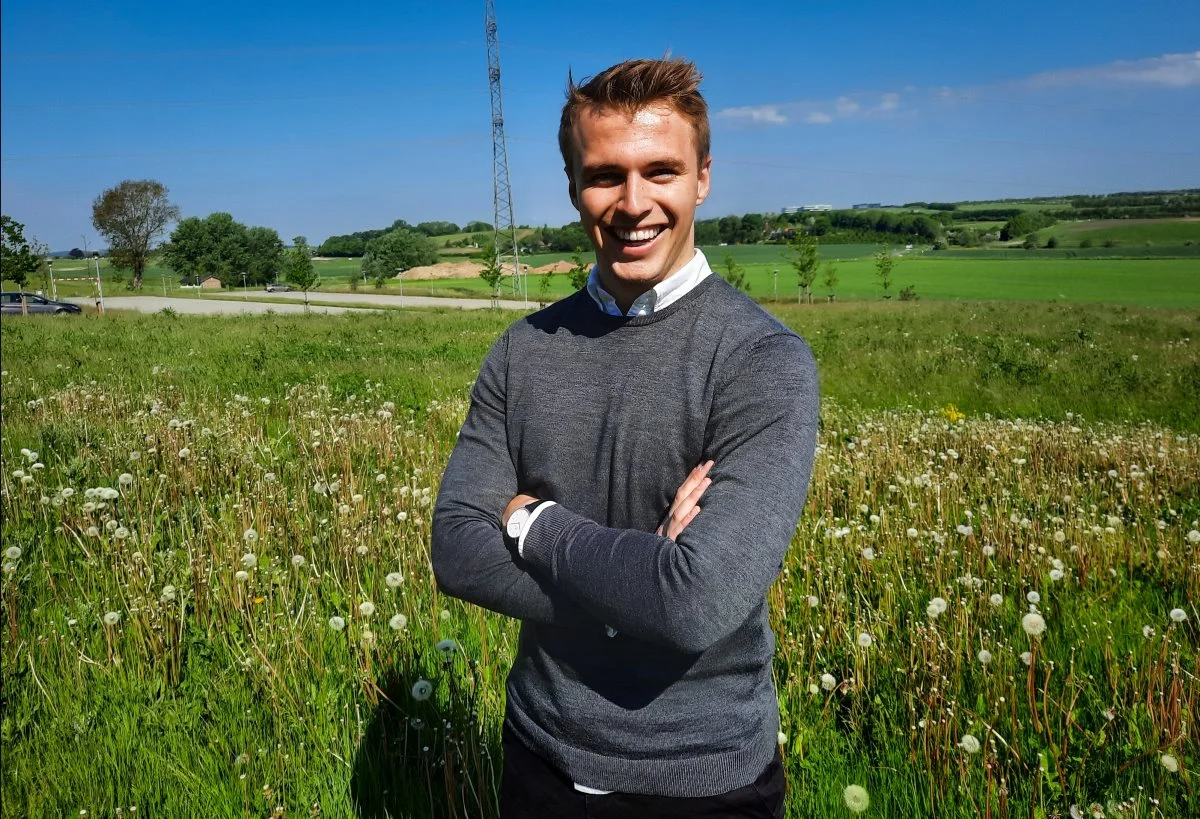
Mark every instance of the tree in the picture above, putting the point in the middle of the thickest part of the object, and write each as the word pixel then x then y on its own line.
pixel 884 263
pixel 264 255
pixel 735 275
pixel 76 253
pixel 131 217
pixel 805 258
pixel 1052 242
pixel 220 246
pixel 831 279
pixel 492 272
pixel 580 272
pixel 396 250
pixel 544 288
pixel 298 267
pixel 18 261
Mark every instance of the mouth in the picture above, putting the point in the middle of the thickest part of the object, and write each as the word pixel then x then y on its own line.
pixel 637 237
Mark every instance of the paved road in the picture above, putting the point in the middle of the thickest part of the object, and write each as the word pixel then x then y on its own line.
pixel 286 303
pixel 207 307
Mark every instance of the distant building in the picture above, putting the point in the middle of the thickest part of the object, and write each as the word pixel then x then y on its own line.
pixel 815 208
pixel 211 283
pixel 867 206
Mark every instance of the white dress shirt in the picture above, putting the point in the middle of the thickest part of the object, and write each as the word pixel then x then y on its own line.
pixel 659 297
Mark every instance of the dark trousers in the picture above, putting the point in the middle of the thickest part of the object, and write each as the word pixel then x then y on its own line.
pixel 531 787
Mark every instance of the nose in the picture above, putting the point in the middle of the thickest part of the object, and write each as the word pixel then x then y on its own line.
pixel 633 196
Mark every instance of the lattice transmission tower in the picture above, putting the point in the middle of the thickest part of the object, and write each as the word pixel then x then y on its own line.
pixel 508 255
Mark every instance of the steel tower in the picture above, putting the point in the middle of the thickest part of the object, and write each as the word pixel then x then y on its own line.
pixel 504 227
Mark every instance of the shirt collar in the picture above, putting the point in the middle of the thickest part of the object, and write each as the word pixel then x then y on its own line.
pixel 659 297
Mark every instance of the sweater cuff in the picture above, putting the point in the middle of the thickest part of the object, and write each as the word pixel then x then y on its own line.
pixel 544 535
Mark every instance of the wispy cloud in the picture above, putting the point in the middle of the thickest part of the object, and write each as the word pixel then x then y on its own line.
pixel 1169 71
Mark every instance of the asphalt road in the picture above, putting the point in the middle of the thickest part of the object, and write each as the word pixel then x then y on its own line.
pixel 370 299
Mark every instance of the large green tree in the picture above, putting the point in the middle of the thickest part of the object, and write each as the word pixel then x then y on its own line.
pixel 220 246
pixel 131 217
pixel 18 261
pixel 399 249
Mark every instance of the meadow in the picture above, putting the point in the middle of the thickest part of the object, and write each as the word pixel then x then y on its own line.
pixel 217 597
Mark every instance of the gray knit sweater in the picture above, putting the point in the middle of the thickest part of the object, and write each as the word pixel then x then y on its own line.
pixel 607 416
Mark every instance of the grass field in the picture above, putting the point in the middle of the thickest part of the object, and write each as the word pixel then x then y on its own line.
pixel 1169 232
pixel 217 598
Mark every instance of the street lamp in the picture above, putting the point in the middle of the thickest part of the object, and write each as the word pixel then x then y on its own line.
pixel 244 296
pixel 53 286
pixel 776 285
pixel 400 278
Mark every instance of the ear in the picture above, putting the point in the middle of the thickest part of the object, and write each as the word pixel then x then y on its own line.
pixel 572 192
pixel 703 180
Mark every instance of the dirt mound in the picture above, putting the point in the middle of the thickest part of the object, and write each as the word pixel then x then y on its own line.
pixel 450 270
pixel 555 267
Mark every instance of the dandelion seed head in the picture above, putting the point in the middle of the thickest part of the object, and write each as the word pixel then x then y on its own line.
pixel 111 618
pixel 249 560
pixel 1170 763
pixel 125 480
pixel 394 580
pixel 1056 574
pixel 422 690
pixel 828 681
pixel 864 640
pixel 984 657
pixel 337 623
pixel 857 798
pixel 398 622
pixel 1033 597
pixel 249 536
pixel 997 600
pixel 935 608
pixel 1178 615
pixel 12 552
pixel 1033 624
pixel 969 743
pixel 241 575
pixel 1027 657
pixel 298 561
pixel 1147 632
pixel 868 553
pixel 366 608
pixel 912 533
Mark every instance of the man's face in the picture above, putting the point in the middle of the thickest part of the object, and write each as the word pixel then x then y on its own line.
pixel 636 183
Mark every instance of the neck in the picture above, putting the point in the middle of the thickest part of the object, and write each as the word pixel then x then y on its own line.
pixel 626 293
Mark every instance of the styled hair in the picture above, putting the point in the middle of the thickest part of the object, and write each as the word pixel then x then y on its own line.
pixel 629 87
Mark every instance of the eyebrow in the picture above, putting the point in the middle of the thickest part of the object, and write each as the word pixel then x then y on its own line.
pixel 669 164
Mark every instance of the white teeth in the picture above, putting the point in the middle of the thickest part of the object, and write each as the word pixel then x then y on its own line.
pixel 643 235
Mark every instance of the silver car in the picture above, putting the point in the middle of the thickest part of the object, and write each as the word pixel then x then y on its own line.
pixel 10 304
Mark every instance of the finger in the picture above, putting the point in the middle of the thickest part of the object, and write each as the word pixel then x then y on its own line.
pixel 681 512
pixel 678 526
pixel 692 480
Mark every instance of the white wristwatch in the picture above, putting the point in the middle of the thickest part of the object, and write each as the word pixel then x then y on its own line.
pixel 520 521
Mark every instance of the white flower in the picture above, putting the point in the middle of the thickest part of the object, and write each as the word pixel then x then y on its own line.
pixel 1147 632
pixel 828 682
pixel 989 550
pixel 964 530
pixel 120 533
pixel 241 575
pixel 1194 536
pixel 402 516
pixel 969 744
pixel 936 606
pixel 1169 762
pixel 812 601
pixel 1033 597
pixel 12 552
pixel 1027 657
pixel 447 648
pixel 108 493
pixel 92 531
pixel 997 600
pixel 66 492
pixel 367 638
pixel 422 690
pixel 813 688
pixel 380 478
pixel 1178 615
pixel 985 657
pixel 168 594
pixel 1056 574
pixel 1034 624
pixel 184 453
pixel 394 580
pixel 1060 536
pixel 249 536
pixel 112 618
pixel 857 799
pixel 337 623
pixel 398 622
pixel 911 532
pixel 125 480
pixel 298 561
pixel 366 608
pixel 868 553
pixel 864 640
pixel 249 560
pixel 781 738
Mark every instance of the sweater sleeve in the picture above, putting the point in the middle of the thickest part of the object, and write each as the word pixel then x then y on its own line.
pixel 470 559
pixel 691 593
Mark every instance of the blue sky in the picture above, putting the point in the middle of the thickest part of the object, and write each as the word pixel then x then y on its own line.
pixel 318 118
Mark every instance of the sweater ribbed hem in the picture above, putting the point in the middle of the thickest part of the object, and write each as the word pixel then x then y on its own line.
pixel 698 776
pixel 543 536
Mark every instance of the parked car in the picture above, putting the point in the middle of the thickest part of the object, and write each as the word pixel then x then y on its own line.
pixel 10 303
pixel 278 287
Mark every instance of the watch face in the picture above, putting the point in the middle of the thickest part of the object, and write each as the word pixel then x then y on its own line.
pixel 516 521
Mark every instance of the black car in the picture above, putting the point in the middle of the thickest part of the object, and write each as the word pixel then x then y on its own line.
pixel 10 304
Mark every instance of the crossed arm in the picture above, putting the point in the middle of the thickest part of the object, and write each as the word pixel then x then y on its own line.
pixel 690 585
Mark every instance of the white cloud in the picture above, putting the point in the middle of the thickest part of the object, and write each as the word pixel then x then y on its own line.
pixel 846 106
pixel 818 118
pixel 1167 71
pixel 890 102
pixel 759 114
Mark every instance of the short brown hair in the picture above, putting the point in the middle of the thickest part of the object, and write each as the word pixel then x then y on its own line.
pixel 629 87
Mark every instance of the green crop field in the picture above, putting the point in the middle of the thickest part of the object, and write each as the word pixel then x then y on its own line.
pixel 217 598
pixel 1170 232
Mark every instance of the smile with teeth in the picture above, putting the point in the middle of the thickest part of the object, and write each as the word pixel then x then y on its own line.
pixel 639 235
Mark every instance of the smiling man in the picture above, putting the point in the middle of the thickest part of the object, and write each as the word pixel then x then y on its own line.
pixel 626 483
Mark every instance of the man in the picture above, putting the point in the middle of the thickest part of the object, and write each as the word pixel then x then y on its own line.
pixel 598 426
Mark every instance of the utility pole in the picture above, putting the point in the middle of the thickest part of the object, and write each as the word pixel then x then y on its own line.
pixel 53 286
pixel 504 235
pixel 776 277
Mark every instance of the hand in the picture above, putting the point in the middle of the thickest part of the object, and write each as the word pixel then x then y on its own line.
pixel 684 509
pixel 513 505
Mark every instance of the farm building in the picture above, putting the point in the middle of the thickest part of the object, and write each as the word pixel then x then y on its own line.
pixel 211 283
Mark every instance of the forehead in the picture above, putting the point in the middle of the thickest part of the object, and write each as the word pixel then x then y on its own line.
pixel 606 134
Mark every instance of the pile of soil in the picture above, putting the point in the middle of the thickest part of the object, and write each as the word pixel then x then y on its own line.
pixel 449 270
pixel 555 267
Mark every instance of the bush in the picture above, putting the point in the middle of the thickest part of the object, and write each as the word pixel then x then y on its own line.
pixel 1052 242
pixel 1085 243
pixel 909 294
